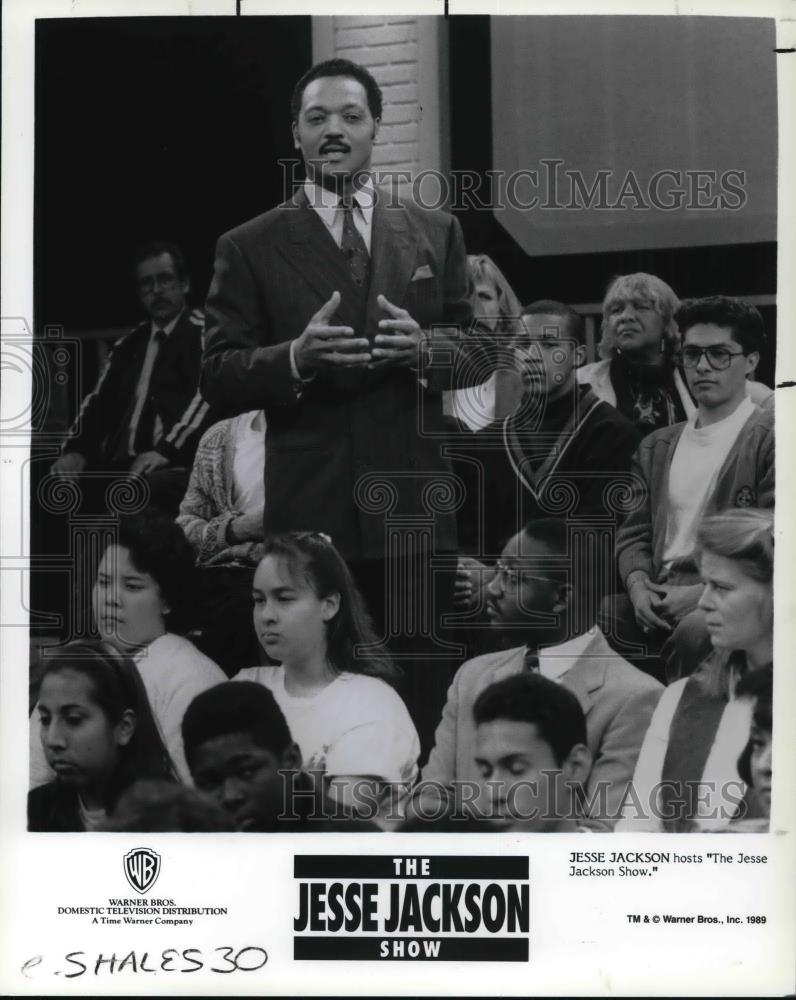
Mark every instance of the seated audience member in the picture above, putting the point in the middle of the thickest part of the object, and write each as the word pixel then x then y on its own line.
pixel 97 734
pixel 151 806
pixel 334 682
pixel 754 764
pixel 531 752
pixel 638 374
pixel 536 596
pixel 145 414
pixel 241 753
pixel 722 457
pixel 562 441
pixel 700 725
pixel 496 310
pixel 222 517
pixel 142 600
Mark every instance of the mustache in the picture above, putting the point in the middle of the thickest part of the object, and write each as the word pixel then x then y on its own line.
pixel 329 144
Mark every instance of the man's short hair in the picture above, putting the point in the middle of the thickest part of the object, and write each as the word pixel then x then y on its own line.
pixel 338 67
pixel 553 531
pixel 741 317
pixel 157 247
pixel 554 534
pixel 529 697
pixel 549 307
pixel 235 707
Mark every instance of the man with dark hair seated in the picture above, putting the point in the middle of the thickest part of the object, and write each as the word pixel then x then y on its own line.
pixel 531 752
pixel 721 457
pixel 541 600
pixel 240 751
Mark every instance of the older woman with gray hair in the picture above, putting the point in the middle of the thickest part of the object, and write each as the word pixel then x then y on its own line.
pixel 638 374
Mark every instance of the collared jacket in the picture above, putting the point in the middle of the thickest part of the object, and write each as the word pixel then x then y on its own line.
pixel 350 451
pixel 174 397
pixel 746 479
pixel 617 699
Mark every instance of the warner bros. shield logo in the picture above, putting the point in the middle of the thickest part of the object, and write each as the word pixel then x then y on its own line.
pixel 142 867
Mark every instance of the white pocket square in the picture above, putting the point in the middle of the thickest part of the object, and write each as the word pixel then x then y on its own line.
pixel 424 271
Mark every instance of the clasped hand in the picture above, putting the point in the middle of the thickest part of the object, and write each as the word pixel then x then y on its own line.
pixel 323 346
pixel 661 606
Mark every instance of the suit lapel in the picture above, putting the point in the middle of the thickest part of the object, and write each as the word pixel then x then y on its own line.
pixel 393 251
pixel 312 251
pixel 588 675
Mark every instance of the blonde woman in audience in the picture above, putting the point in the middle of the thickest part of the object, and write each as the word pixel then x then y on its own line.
pixel 686 777
pixel 496 310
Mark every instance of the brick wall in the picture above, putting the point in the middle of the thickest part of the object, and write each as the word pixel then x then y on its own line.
pixel 401 51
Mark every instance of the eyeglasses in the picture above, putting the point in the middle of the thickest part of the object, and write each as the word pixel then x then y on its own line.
pixel 719 358
pixel 510 577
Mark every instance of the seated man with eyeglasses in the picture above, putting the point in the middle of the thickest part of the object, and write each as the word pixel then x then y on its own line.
pixel 540 594
pixel 145 415
pixel 721 457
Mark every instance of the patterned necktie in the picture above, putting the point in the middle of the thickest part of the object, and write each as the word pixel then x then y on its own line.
pixel 353 247
pixel 531 660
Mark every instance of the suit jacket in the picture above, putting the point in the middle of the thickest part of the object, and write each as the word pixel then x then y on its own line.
pixel 746 479
pixel 174 397
pixel 349 449
pixel 617 699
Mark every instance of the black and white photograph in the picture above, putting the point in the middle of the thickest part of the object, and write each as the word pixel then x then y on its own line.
pixel 388 448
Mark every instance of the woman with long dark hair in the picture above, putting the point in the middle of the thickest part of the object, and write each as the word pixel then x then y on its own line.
pixel 143 601
pixel 334 682
pixel 97 734
pixel 701 726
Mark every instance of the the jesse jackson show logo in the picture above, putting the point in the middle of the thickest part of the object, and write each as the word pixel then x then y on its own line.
pixel 440 908
pixel 142 867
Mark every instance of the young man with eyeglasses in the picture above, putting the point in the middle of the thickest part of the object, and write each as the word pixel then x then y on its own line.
pixel 540 595
pixel 145 415
pixel 721 457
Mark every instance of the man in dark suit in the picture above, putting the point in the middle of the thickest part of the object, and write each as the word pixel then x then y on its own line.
pixel 320 311
pixel 145 415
